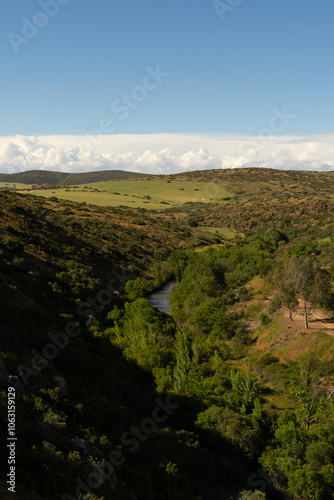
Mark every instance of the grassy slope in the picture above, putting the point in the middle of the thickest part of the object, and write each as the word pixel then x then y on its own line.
pixel 225 232
pixel 250 182
pixel 286 340
pixel 13 185
pixel 238 199
pixel 247 181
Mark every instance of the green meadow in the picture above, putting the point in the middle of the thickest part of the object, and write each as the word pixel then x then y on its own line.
pixel 150 194
pixel 13 185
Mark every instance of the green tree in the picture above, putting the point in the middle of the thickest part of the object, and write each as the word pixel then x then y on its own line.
pixel 183 361
pixel 286 286
pixel 302 277
pixel 178 260
pixel 312 395
pixel 138 288
pixel 145 334
pixel 308 394
pixel 187 379
pixel 307 483
pixel 245 390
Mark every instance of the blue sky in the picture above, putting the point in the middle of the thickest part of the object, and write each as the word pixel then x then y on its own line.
pixel 228 67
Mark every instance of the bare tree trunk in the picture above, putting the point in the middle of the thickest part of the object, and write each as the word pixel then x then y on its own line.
pixel 305 314
pixel 290 313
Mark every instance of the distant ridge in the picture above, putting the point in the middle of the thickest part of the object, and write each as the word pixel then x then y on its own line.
pixel 49 178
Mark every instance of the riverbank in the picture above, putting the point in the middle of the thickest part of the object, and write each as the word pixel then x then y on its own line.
pixel 160 298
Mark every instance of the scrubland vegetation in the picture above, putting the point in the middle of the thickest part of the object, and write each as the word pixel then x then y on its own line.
pixel 229 396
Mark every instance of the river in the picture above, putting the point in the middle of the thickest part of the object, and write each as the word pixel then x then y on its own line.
pixel 160 299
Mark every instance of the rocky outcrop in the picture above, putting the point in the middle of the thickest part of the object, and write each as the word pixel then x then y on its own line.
pixel 84 448
pixel 79 445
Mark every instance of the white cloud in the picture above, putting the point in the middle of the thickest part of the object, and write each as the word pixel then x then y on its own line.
pixel 164 153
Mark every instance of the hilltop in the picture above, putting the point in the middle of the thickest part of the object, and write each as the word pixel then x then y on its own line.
pixel 250 180
pixel 49 178
pixel 216 187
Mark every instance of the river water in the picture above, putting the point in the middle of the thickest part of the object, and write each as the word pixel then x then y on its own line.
pixel 160 299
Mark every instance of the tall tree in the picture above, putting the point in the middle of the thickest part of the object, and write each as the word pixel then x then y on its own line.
pixel 311 282
pixel 287 289
pixel 302 277
pixel 178 260
pixel 309 392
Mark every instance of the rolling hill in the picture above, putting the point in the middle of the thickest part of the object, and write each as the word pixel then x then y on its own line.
pixel 49 178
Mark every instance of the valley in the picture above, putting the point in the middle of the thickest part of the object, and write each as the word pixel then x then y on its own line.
pixel 244 387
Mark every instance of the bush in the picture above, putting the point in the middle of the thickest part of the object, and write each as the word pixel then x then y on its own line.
pixel 91 496
pixel 11 244
pixel 264 319
pixel 268 359
pixel 252 495
pixel 275 304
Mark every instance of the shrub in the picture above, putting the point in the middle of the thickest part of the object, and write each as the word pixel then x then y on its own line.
pixel 268 359
pixel 264 319
pixel 11 244
pixel 275 304
pixel 252 495
pixel 54 419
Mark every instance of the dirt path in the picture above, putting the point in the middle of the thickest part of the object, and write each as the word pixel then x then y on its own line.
pixel 317 321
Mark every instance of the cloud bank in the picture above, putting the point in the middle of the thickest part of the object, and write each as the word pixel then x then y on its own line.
pixel 164 153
